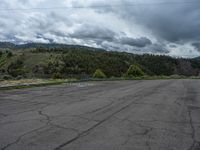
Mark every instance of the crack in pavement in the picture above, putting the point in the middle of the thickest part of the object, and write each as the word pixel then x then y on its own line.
pixel 170 122
pixel 143 133
pixel 30 110
pixel 99 109
pixel 45 106
pixel 41 107
pixel 108 110
pixel 48 119
pixel 20 121
pixel 84 133
pixel 29 132
pixel 137 96
pixel 84 118
pixel 137 123
pixel 49 122
pixel 191 96
pixel 45 115
pixel 193 131
pixel 148 143
pixel 20 137
pixel 4 115
pixel 140 94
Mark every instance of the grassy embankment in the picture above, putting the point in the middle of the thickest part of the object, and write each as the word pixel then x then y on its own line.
pixel 29 83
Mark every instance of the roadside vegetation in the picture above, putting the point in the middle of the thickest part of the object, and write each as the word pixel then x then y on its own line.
pixel 82 63
pixel 99 74
pixel 26 83
pixel 134 71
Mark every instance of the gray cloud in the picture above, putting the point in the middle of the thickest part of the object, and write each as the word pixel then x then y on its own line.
pixel 160 48
pixel 196 45
pixel 92 32
pixel 172 22
pixel 137 42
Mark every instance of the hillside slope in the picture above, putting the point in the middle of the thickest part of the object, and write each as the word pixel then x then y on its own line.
pixel 48 60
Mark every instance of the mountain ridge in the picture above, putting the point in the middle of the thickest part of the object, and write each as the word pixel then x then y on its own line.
pixel 10 45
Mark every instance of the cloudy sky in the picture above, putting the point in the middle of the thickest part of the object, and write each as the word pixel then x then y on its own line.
pixel 170 27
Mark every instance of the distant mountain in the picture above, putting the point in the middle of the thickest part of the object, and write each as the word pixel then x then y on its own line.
pixel 6 45
pixel 9 45
pixel 197 58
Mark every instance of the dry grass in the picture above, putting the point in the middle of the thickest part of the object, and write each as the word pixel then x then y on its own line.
pixel 27 82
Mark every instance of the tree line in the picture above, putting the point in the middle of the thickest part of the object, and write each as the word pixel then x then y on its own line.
pixel 77 62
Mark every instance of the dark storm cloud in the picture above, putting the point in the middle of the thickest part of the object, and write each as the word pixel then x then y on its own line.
pixel 160 48
pixel 137 42
pixel 196 45
pixel 91 32
pixel 172 22
pixel 101 34
pixel 172 46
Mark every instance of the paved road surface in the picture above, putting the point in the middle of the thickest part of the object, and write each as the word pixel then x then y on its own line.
pixel 118 115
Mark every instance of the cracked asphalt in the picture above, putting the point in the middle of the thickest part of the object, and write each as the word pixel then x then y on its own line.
pixel 112 115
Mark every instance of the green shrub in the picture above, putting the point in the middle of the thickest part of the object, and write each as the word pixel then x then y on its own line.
pixel 7 77
pixel 9 54
pixel 57 76
pixel 16 68
pixel 134 71
pixel 99 74
pixel 2 71
pixel 176 76
pixel 19 77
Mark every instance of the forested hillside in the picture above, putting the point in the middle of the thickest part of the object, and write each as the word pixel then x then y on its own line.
pixel 55 60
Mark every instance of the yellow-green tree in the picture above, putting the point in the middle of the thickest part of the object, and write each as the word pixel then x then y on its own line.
pixel 134 71
pixel 99 74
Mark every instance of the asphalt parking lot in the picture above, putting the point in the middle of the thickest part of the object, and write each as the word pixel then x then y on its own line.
pixel 111 115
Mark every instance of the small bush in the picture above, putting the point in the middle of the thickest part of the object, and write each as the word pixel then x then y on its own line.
pixel 9 54
pixel 176 76
pixel 19 77
pixel 57 76
pixel 7 77
pixel 134 71
pixel 16 68
pixel 99 74
pixel 2 71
